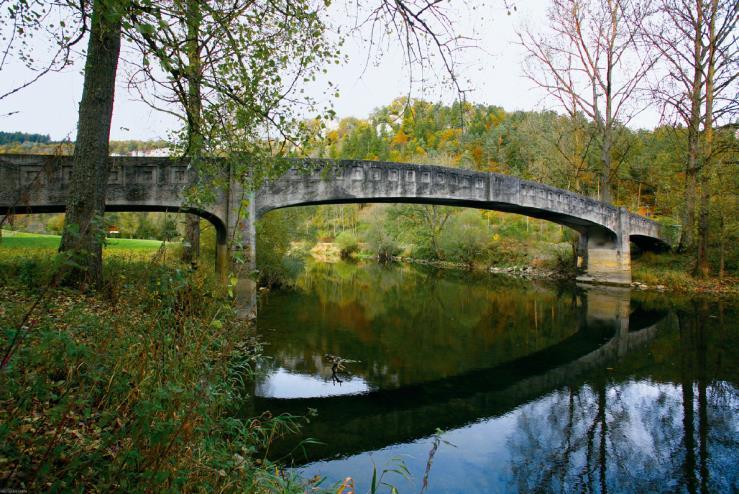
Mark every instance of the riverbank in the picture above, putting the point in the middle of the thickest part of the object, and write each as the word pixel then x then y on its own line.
pixel 134 387
pixel 658 272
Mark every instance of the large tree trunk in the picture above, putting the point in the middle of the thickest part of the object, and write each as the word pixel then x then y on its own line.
pixel 193 110
pixel 607 129
pixel 84 230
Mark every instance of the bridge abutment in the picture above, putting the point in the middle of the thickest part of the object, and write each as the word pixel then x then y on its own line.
pixel 603 257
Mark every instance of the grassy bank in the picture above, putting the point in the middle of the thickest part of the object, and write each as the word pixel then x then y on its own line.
pixel 134 388
pixel 673 271
pixel 21 240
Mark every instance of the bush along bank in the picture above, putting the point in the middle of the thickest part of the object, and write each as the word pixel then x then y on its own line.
pixel 136 388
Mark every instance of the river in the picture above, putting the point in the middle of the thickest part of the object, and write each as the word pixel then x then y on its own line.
pixel 479 383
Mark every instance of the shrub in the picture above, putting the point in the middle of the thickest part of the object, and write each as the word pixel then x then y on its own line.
pixel 381 243
pixel 55 225
pixel 137 397
pixel 348 244
pixel 465 237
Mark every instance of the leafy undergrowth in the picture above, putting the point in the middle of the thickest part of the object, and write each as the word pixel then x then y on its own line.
pixel 673 272
pixel 134 388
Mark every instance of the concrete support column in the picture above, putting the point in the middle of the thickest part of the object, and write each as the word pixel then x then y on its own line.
pixel 607 258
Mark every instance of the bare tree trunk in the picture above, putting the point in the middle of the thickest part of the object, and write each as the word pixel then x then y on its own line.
pixel 605 174
pixel 83 225
pixel 687 234
pixel 702 267
pixel 575 63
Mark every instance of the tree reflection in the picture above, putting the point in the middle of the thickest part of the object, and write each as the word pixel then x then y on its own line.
pixel 615 434
pixel 454 323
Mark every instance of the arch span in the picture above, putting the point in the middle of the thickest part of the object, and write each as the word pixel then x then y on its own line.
pixel 605 230
pixel 40 184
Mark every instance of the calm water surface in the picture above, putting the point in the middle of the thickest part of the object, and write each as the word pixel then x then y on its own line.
pixel 514 386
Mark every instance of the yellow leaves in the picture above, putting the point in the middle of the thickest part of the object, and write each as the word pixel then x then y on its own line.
pixel 332 137
pixel 400 139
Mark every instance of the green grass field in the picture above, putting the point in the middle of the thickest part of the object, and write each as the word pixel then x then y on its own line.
pixel 20 240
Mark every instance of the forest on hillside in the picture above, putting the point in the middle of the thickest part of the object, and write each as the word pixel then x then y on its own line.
pixel 21 143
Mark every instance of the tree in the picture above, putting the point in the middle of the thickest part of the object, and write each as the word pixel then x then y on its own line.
pixel 84 230
pixel 221 69
pixel 588 63
pixel 424 222
pixel 695 85
pixel 380 241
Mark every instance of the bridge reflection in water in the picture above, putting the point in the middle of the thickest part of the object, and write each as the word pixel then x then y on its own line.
pixel 541 388
pixel 605 327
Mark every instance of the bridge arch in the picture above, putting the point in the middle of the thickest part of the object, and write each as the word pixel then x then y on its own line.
pixel 218 224
pixel 605 230
pixel 220 227
pixel 579 225
pixel 647 243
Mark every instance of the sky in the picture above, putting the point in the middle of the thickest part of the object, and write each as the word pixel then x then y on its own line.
pixel 492 70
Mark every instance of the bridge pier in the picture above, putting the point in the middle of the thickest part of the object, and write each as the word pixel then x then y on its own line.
pixel 605 258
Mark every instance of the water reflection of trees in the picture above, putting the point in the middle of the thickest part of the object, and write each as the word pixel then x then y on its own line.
pixel 373 314
pixel 615 434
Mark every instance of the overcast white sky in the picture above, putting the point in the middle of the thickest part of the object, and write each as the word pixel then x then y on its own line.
pixel 493 70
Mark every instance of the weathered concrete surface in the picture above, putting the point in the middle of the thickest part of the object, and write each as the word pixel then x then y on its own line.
pixel 32 183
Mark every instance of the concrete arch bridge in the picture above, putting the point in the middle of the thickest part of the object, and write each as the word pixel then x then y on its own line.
pixel 40 184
